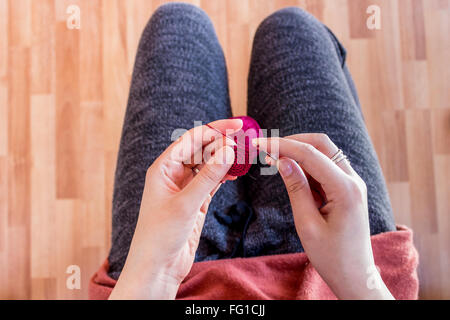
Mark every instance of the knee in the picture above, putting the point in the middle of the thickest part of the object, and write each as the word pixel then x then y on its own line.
pixel 290 19
pixel 180 12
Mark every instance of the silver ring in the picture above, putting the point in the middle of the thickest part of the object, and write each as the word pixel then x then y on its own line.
pixel 338 156
pixel 343 157
pixel 195 170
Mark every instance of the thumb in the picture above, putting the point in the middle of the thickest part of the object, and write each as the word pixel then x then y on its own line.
pixel 302 200
pixel 209 176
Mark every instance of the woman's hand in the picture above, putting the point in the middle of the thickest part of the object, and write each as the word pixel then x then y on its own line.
pixel 329 204
pixel 173 208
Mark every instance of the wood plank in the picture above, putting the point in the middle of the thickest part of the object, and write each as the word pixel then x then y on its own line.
pixel 19 23
pixel 394 154
pixel 42 47
pixel 115 74
pixel 3 207
pixel 4 33
pixel 437 22
pixel 441 131
pixel 411 18
pixel 238 56
pixel 67 97
pixel 385 53
pixel 333 13
pixel 3 120
pixel 422 183
pixel 110 166
pixel 92 181
pixel 415 84
pixel 316 8
pixel 19 138
pixel 90 56
pixel 419 30
pixel 43 289
pixel 429 270
pixel 43 177
pixel 442 173
pixel 138 13
pixel 18 277
pixel 401 202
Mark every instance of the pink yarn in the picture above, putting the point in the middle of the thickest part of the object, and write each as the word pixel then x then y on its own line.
pixel 245 152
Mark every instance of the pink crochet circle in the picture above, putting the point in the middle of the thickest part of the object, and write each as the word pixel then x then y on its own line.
pixel 245 152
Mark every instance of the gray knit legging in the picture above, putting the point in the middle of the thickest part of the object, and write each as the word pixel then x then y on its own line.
pixel 297 83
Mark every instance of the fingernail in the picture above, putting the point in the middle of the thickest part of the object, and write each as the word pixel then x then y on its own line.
pixel 285 167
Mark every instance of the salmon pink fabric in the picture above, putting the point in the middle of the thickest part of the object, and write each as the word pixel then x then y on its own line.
pixel 285 276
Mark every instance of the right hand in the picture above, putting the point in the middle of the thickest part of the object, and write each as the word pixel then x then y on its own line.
pixel 336 234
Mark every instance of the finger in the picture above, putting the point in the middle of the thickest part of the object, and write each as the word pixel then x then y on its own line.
pixel 196 138
pixel 210 176
pixel 318 165
pixel 325 145
pixel 196 233
pixel 196 172
pixel 205 205
pixel 302 201
pixel 198 168
pixel 216 189
pixel 316 189
pixel 201 218
pixel 208 150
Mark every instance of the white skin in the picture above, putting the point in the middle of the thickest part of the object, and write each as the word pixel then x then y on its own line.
pixel 336 236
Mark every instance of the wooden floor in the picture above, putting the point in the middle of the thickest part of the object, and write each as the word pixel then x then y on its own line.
pixel 63 94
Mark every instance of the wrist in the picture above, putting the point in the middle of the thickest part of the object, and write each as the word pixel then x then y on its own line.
pixel 151 284
pixel 363 293
pixel 367 285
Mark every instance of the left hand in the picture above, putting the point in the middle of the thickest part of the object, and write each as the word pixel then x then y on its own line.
pixel 173 208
